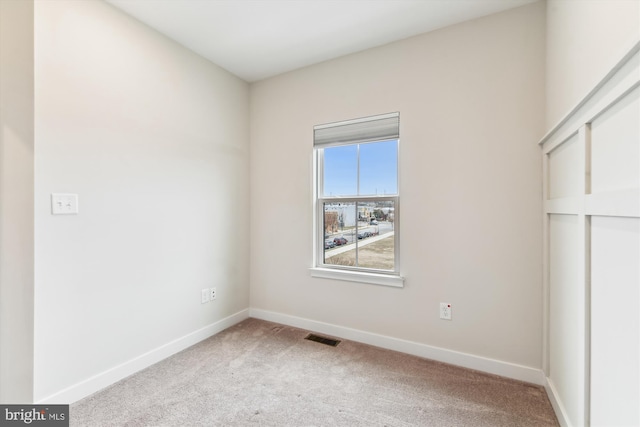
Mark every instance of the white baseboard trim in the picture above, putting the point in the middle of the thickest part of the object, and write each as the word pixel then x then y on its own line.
pixel 556 403
pixel 98 382
pixel 492 366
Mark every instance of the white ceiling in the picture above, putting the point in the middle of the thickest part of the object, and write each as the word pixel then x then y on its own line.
pixel 255 39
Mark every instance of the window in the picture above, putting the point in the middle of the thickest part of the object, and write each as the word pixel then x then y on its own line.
pixel 357 200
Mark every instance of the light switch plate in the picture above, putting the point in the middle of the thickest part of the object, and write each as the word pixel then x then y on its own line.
pixel 64 204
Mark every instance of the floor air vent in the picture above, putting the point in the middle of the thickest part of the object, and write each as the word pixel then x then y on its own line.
pixel 322 340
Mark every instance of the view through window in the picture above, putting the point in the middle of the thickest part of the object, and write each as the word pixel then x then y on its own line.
pixel 358 196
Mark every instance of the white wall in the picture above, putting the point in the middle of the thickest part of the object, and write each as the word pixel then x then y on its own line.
pixel 584 39
pixel 16 201
pixel 567 315
pixel 154 140
pixel 594 183
pixel 592 255
pixel 615 340
pixel 471 103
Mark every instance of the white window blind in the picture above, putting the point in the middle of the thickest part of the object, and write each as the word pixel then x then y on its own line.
pixel 369 129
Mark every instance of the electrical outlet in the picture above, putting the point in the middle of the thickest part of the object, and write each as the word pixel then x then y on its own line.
pixel 213 294
pixel 205 296
pixel 64 204
pixel 445 311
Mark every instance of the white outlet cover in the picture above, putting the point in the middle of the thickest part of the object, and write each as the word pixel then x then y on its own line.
pixel 214 294
pixel 205 296
pixel 64 204
pixel 445 311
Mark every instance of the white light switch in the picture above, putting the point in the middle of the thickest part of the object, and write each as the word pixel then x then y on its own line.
pixel 64 204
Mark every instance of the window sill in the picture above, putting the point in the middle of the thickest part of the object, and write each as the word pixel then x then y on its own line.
pixel 358 276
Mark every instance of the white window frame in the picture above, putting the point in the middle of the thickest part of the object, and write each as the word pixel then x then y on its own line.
pixel 363 134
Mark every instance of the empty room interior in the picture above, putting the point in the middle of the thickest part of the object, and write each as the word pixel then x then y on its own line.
pixel 169 172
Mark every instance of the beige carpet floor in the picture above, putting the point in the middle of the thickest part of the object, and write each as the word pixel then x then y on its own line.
pixel 258 373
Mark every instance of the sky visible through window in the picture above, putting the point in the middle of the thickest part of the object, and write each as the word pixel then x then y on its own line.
pixel 378 169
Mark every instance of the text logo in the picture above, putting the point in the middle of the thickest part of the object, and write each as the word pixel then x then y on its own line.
pixel 35 415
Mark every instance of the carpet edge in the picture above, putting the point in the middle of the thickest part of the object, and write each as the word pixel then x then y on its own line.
pixel 466 360
pixel 112 375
